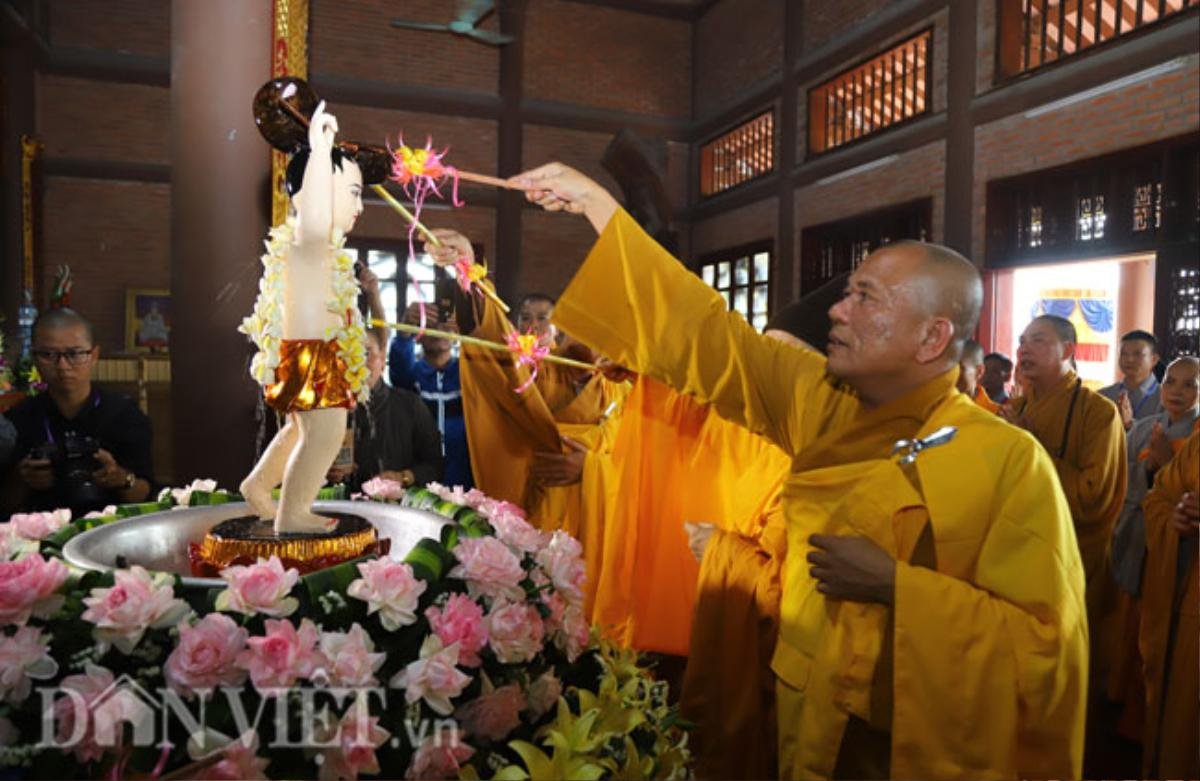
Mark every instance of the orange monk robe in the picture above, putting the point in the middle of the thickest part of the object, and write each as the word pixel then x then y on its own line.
pixel 505 429
pixel 984 400
pixel 728 686
pixel 1170 625
pixel 990 640
pixel 1082 432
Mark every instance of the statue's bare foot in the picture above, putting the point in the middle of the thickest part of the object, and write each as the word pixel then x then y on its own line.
pixel 259 498
pixel 305 523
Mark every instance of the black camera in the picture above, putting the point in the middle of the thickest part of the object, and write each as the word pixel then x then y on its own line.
pixel 74 462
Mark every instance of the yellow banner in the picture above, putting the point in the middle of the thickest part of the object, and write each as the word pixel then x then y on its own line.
pixel 289 57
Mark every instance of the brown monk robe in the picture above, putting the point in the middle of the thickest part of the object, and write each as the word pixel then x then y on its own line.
pixel 1082 432
pixel 1170 625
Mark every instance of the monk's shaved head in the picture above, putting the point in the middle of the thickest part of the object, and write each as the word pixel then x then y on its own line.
pixel 950 288
pixel 1181 386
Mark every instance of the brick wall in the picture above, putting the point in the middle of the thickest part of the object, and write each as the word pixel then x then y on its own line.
pixel 754 222
pixel 742 42
pixel 607 58
pixel 553 245
pixel 356 39
pixel 1166 106
pixel 577 148
pixel 472 142
pixel 825 19
pixel 91 119
pixel 129 26
pixel 114 235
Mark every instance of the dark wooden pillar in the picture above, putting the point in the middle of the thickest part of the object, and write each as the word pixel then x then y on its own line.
pixel 220 168
pixel 17 53
pixel 785 272
pixel 510 142
pixel 960 130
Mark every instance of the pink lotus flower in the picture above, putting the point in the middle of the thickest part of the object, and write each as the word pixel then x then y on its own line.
pixel 440 756
pixel 460 621
pixel 28 586
pixel 13 545
pixel 543 694
pixel 515 632
pixel 358 735
pixel 282 656
pixel 490 568
pixel 79 724
pixel 389 588
pixel 514 530
pixel 381 489
pixel 239 760
pixel 39 526
pixel 433 677
pixel 562 561
pixel 259 588
pixel 351 657
pixel 205 657
pixel 494 713
pixel 24 657
pixel 136 602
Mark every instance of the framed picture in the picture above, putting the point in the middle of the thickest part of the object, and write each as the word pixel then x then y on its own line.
pixel 147 320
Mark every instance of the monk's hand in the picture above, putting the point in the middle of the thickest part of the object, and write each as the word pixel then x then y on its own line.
pixel 557 187
pixel 1018 419
pixel 1159 450
pixel 614 372
pixel 698 535
pixel 565 468
pixel 1186 517
pixel 852 568
pixel 1126 410
pixel 110 474
pixel 452 246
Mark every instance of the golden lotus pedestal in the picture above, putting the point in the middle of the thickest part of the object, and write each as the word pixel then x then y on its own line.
pixel 247 539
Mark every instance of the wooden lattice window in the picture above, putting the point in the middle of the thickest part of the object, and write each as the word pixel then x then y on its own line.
pixel 883 91
pixel 1033 33
pixel 743 278
pixel 742 154
pixel 837 247
pixel 1185 312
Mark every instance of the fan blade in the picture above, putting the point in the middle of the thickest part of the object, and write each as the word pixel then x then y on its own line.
pixel 411 25
pixel 472 12
pixel 487 36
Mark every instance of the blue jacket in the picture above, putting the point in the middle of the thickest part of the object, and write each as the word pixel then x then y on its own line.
pixel 441 390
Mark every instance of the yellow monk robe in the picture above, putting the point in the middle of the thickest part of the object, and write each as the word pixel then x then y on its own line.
pixel 1170 625
pixel 728 686
pixel 505 429
pixel 990 643
pixel 1082 432
pixel 984 400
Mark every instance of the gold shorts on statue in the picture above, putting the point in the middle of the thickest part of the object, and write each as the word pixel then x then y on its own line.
pixel 310 375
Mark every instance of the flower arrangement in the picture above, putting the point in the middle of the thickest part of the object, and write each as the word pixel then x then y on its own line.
pixel 264 325
pixel 471 658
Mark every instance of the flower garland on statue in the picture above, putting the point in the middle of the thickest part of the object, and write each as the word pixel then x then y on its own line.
pixel 265 325
pixel 469 658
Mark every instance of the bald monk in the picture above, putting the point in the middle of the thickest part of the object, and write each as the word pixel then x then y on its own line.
pixel 1170 623
pixel 929 626
pixel 1082 432
pixel 970 367
pixel 1152 442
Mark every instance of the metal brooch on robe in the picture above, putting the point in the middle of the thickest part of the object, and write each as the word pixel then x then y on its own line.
pixel 907 449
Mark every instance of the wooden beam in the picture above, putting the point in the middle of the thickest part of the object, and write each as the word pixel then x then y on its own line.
pixel 688 12
pixel 599 120
pixel 961 57
pixel 111 170
pixel 406 97
pixel 106 66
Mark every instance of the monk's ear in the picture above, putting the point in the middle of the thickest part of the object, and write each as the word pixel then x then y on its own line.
pixel 1069 351
pixel 936 340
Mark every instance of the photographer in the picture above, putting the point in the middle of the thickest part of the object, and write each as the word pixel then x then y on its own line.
pixel 77 446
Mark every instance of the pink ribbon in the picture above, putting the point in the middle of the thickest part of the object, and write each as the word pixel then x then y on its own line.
pixel 528 350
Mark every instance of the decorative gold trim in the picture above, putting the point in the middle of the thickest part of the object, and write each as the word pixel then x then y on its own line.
pixel 220 552
pixel 31 149
pixel 289 57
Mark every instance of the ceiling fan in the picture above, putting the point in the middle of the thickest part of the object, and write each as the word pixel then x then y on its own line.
pixel 470 13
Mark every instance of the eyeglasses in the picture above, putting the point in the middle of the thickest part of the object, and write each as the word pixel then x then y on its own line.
pixel 51 357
